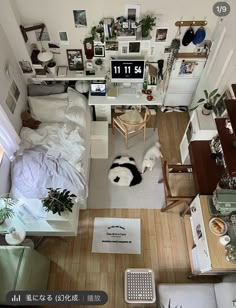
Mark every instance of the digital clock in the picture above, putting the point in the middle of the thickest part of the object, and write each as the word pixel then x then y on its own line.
pixel 127 70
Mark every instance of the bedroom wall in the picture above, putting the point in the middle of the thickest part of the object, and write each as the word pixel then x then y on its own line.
pixel 7 58
pixel 58 16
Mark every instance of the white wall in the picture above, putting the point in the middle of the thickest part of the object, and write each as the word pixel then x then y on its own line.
pixel 220 71
pixel 7 58
pixel 58 16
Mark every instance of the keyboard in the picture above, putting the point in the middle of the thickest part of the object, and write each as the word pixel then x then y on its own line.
pixel 140 286
pixel 127 91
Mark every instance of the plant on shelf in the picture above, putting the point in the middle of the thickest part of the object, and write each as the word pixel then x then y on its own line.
pixel 147 23
pixel 208 101
pixel 6 205
pixel 58 201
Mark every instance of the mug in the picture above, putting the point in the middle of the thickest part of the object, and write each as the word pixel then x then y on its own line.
pixel 224 240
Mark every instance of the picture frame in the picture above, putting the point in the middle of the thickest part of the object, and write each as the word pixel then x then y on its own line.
pixel 75 59
pixel 134 47
pixel 80 18
pixel 220 110
pixel 64 39
pixel 112 45
pixel 132 12
pixel 99 50
pixel 26 67
pixel 161 34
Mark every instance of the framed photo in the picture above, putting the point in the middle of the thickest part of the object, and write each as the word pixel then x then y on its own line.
pixel 134 47
pixel 75 59
pixel 64 40
pixel 161 34
pixel 80 18
pixel 112 46
pixel 220 108
pixel 132 12
pixel 99 50
pixel 26 67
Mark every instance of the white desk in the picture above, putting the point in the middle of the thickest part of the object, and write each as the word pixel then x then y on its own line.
pixel 103 104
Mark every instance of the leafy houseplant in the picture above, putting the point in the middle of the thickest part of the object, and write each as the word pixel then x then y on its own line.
pixel 6 211
pixel 58 201
pixel 208 101
pixel 147 23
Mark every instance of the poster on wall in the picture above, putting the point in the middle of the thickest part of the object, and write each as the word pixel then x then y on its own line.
pixel 80 18
pixel 132 12
pixel 64 40
pixel 54 48
pixel 10 102
pixel 161 34
pixel 187 67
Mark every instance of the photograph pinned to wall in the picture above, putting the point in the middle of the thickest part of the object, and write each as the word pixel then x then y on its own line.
pixel 15 91
pixel 112 46
pixel 124 47
pixel 10 102
pixel 161 35
pixel 134 47
pixel 26 67
pixel 99 50
pixel 187 67
pixel 64 40
pixel 54 48
pixel 45 35
pixel 80 18
pixel 132 12
pixel 75 59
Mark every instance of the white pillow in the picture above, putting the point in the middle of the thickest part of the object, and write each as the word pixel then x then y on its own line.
pixel 77 99
pixel 48 108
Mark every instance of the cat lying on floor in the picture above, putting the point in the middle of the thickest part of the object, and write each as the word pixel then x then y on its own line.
pixel 151 157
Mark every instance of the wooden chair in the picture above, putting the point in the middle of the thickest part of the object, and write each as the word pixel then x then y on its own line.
pixel 179 185
pixel 132 123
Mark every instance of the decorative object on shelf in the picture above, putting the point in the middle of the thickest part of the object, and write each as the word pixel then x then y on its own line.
pixel 58 201
pixel 75 59
pixel 25 67
pixel 161 35
pixel 99 63
pixel 208 102
pixel 15 236
pixel 6 204
pixel 125 28
pixel 147 23
pixel 89 47
pixel 99 50
pixel 229 126
pixel 230 253
pixel 80 18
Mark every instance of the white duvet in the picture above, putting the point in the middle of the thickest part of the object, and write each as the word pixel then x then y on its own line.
pixel 52 156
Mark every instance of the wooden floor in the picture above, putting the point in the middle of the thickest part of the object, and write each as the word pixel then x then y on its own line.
pixel 164 248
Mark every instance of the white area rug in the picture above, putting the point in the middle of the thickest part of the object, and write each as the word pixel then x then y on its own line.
pixel 149 194
pixel 116 235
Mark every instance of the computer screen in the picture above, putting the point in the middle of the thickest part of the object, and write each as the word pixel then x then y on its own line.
pixel 127 70
pixel 98 88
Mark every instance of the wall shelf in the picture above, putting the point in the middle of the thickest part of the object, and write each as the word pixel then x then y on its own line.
pixel 188 23
pixel 190 55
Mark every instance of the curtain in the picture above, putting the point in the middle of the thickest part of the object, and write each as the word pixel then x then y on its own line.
pixel 9 139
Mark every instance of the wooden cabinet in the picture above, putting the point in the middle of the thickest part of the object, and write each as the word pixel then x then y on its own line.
pixel 207 255
pixel 200 127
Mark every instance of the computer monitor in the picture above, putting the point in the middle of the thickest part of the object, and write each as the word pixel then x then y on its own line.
pixel 127 70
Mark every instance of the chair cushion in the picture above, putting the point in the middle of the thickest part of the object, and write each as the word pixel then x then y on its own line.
pixel 191 295
pixel 182 184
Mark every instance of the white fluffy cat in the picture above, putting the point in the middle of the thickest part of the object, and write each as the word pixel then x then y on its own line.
pixel 151 156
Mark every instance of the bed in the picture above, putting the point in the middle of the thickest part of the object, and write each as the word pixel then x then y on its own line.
pixel 57 153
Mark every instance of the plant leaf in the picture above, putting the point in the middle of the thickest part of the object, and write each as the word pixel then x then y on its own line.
pixel 201 100
pixel 206 94
pixel 213 93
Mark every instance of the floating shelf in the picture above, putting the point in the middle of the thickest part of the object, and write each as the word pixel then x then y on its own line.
pixel 190 55
pixel 226 140
pixel 188 23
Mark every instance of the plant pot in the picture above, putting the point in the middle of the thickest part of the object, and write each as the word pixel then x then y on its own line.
pixel 206 110
pixel 52 67
pixel 145 33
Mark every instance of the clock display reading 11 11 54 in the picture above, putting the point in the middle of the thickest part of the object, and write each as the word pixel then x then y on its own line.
pixel 128 69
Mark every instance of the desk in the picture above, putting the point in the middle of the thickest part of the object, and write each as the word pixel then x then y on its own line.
pixel 103 104
pixel 210 253
pixel 206 173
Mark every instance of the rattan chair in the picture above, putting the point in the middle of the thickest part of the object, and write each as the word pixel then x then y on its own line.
pixel 132 123
pixel 179 185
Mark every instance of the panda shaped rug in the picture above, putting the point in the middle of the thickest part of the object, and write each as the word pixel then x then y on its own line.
pixel 124 172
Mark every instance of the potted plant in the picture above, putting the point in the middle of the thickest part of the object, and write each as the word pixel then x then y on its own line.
pixel 208 101
pixel 147 23
pixel 58 201
pixel 6 204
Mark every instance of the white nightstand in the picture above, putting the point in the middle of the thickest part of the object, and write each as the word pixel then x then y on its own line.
pixel 99 139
